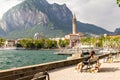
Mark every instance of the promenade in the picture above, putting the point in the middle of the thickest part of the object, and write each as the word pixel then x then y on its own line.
pixel 108 71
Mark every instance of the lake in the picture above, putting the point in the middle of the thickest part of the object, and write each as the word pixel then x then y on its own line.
pixel 18 58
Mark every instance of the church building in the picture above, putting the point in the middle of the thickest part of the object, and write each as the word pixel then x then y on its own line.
pixel 75 36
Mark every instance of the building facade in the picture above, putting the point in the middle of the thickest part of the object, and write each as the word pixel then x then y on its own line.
pixel 75 36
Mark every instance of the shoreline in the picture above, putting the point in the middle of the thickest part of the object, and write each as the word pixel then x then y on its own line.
pixel 20 48
pixel 45 49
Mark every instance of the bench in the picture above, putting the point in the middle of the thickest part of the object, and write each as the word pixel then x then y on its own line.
pixel 23 76
pixel 91 63
pixel 117 55
pixel 85 54
pixel 109 59
pixel 41 76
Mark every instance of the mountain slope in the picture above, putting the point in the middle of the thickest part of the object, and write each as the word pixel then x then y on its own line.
pixel 117 31
pixel 50 20
pixel 90 28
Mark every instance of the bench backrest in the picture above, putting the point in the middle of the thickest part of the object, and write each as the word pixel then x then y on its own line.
pixel 85 53
pixel 22 76
pixel 95 59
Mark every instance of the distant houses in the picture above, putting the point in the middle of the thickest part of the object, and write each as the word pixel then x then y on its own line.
pixel 10 43
pixel 37 36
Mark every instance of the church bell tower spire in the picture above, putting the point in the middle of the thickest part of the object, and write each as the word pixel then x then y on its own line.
pixel 74 24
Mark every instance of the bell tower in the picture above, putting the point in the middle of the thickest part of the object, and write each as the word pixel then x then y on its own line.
pixel 74 24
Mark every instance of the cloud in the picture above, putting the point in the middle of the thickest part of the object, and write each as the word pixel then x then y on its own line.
pixel 104 13
pixel 7 4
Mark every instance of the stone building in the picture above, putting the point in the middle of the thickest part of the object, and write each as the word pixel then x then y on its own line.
pixel 37 36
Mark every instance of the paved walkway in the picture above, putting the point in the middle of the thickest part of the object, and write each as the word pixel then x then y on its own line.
pixel 108 71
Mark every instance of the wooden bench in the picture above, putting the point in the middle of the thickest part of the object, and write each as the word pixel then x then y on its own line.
pixel 91 63
pixel 109 59
pixel 84 54
pixel 22 76
pixel 117 55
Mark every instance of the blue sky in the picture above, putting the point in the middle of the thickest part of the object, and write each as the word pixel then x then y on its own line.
pixel 104 13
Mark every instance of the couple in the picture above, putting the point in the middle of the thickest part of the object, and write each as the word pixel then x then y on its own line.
pixel 85 62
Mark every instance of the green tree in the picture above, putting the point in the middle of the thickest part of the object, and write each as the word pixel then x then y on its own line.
pixel 62 43
pixel 42 42
pixel 23 43
pixel 54 44
pixel 118 2
pixel 27 43
pixel 30 45
pixel 86 40
pixel 39 43
pixel 100 41
pixel 67 42
pixel 48 43
pixel 36 43
pixel 2 42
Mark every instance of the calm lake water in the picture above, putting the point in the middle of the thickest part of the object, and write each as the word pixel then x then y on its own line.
pixel 17 58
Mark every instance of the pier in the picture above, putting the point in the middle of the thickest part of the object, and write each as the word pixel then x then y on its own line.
pixel 64 70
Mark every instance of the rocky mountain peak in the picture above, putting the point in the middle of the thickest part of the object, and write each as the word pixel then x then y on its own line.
pixel 31 16
pixel 117 31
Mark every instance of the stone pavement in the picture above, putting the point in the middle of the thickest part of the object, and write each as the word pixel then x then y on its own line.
pixel 108 71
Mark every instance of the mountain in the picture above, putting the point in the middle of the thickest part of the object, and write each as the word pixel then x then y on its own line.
pixel 117 31
pixel 50 20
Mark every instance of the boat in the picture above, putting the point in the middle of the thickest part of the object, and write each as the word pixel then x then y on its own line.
pixel 107 50
pixel 65 52
pixel 69 51
pixel 79 48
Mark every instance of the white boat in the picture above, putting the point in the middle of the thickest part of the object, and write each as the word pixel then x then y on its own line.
pixel 68 51
pixel 107 50
pixel 79 48
pixel 65 51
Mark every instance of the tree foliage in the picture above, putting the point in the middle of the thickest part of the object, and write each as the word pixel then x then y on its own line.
pixel 2 42
pixel 38 44
pixel 112 42
pixel 92 41
pixel 118 2
pixel 63 43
